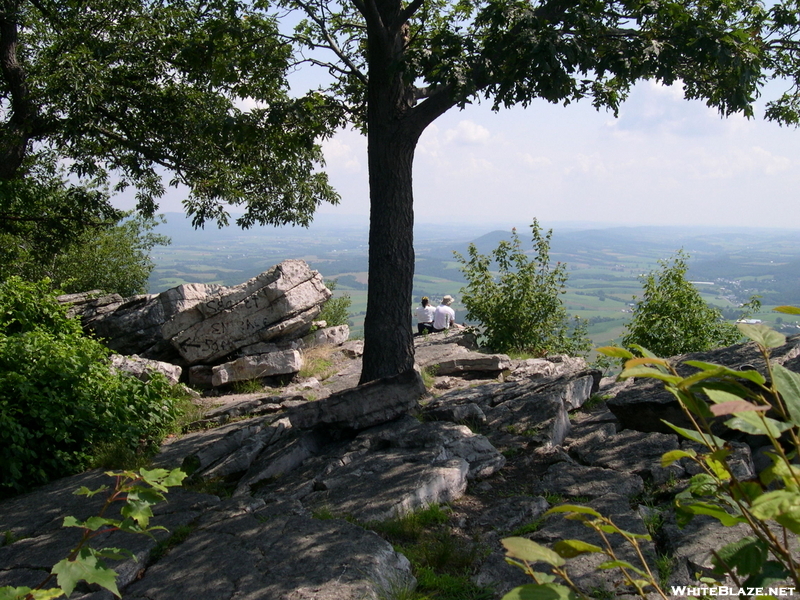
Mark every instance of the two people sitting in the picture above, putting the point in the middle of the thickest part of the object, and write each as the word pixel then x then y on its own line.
pixel 433 320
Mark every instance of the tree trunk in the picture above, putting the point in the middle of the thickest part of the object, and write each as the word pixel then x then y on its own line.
pixel 388 341
pixel 394 123
pixel 391 140
pixel 15 134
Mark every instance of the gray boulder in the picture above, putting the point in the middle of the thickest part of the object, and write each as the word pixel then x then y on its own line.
pixel 201 324
pixel 258 366
pixel 143 368
pixel 364 406
pixel 277 552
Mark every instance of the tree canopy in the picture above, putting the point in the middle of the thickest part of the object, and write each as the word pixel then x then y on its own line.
pixel 113 257
pixel 130 92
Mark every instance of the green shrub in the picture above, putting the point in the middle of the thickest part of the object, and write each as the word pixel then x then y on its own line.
pixel 521 308
pixel 672 318
pixel 59 401
pixel 336 311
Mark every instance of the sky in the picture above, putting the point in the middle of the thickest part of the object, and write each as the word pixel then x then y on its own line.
pixel 663 161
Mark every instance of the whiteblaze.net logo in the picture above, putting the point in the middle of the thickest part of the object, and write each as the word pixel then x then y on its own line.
pixel 685 591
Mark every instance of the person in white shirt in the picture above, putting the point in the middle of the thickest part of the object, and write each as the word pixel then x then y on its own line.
pixel 424 314
pixel 444 317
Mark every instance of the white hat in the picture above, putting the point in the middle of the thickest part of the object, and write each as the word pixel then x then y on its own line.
pixel 447 299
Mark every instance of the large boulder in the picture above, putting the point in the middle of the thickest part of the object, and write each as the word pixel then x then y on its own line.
pixel 197 324
pixel 279 304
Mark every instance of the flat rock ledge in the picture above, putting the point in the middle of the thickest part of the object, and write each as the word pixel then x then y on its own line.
pixel 305 479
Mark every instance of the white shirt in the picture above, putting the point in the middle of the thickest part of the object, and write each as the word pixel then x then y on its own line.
pixel 443 317
pixel 424 314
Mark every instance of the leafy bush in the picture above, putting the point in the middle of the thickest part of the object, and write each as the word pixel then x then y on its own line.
pixel 112 259
pixel 58 398
pixel 336 311
pixel 745 401
pixel 72 235
pixel 521 308
pixel 672 318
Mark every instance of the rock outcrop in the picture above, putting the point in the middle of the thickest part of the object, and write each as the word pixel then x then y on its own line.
pixel 307 480
pixel 248 331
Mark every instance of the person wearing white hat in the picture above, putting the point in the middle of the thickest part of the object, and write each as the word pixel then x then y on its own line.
pixel 444 317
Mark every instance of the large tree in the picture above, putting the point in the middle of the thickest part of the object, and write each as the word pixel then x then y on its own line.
pixel 398 65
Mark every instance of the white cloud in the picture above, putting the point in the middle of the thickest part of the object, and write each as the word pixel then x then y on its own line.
pixel 536 162
pixel 468 132
pixel 342 153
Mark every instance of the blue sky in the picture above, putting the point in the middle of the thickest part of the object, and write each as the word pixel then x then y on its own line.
pixel 665 161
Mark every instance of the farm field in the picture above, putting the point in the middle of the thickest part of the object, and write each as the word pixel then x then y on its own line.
pixel 604 265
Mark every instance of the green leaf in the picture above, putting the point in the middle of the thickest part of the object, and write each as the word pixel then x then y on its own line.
pixel 645 360
pixel 525 549
pixel 703 484
pixel 788 472
pixel 788 384
pixel 720 370
pixel 624 564
pixel 155 477
pixel 696 406
pixel 701 376
pixel 782 506
pixel 85 567
pixel 611 528
pixel 789 310
pixel 747 490
pixel 572 548
pixel 771 572
pixel 174 478
pixel 674 455
pixel 137 510
pixel 717 467
pixel 545 591
pixel 47 594
pixel 13 593
pixel 70 521
pixel 573 508
pixel 757 424
pixel 615 352
pixel 746 555
pixel 712 510
pixel 84 491
pixel 694 435
pixel 20 593
pixel 116 554
pixel 95 523
pixel 762 335
pixel 647 372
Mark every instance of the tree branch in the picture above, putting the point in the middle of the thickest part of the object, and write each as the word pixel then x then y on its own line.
pixel 438 101
pixel 406 14
pixel 332 45
pixel 375 23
